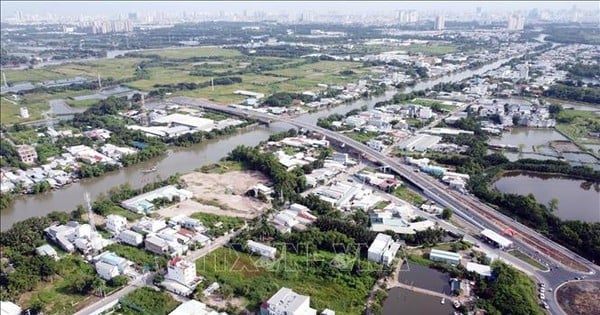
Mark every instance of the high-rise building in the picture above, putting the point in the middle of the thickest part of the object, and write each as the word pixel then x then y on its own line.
pixel 440 22
pixel 515 22
pixel 407 17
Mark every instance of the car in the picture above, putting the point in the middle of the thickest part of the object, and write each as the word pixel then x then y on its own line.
pixel 549 289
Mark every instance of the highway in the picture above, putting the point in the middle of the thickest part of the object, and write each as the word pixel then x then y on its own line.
pixel 565 265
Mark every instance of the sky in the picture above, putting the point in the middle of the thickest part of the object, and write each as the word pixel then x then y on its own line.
pixel 76 8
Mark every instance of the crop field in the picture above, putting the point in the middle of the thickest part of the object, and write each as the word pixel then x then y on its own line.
pixel 431 48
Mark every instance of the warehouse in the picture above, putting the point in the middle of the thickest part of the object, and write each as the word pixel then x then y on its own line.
pixel 444 257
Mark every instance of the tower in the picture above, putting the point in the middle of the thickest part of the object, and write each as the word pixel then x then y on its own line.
pixel 99 82
pixel 4 82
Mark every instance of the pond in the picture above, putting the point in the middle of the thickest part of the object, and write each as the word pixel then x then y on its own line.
pixel 424 278
pixel 577 199
pixel 410 302
pixel 528 137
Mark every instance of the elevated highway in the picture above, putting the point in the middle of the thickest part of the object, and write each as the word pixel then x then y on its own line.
pixel 469 208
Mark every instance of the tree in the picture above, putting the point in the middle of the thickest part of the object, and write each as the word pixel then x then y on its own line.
pixel 446 213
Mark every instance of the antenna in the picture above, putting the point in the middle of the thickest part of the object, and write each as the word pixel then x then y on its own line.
pixel 90 212
pixel 4 79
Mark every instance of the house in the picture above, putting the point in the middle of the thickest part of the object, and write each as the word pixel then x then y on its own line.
pixel 27 154
pixel 182 271
pixel 115 223
pixel 376 145
pixel 156 245
pixel 287 302
pixel 262 249
pixel 482 270
pixel 131 238
pixel 383 249
pixel 9 308
pixel 47 250
pixel 106 271
pixel 328 312
pixel 181 276
pixel 148 225
pixel 444 257
pixel 193 307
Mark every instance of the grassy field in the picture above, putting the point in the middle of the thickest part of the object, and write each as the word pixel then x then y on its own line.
pixel 432 103
pixel 258 280
pixel 58 296
pixel 31 75
pixel 221 167
pixel 123 212
pixel 408 195
pixel 148 301
pixel 186 53
pixel 363 137
pixel 522 256
pixel 431 48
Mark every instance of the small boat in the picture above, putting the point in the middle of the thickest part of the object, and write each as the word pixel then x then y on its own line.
pixel 149 170
pixel 443 300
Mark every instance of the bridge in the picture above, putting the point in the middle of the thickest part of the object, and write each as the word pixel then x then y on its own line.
pixel 470 209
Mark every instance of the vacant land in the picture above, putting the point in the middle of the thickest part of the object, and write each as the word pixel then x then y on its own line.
pixel 580 298
pixel 313 275
pixel 408 195
pixel 431 48
pixel 186 53
pixel 224 192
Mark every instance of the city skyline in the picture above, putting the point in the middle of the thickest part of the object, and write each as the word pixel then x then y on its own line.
pixel 116 8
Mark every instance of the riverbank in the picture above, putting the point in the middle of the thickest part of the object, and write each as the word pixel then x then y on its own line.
pixel 183 160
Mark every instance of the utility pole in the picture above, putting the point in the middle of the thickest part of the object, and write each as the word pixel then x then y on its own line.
pixel 5 83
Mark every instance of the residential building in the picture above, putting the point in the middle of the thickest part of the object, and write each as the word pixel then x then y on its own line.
pixel 149 225
pixel 106 271
pixel 376 145
pixel 262 249
pixel 27 154
pixel 47 250
pixel 383 249
pixel 193 307
pixel 116 223
pixel 328 312
pixel 131 238
pixel 444 257
pixel 182 271
pixel 156 245
pixel 440 22
pixel 9 308
pixel 287 302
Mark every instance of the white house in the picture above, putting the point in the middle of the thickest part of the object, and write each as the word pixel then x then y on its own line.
pixel 47 250
pixel 106 271
pixel 182 271
pixel 383 249
pixel 9 308
pixel 131 238
pixel 193 307
pixel 482 270
pixel 287 302
pixel 262 249
pixel 115 223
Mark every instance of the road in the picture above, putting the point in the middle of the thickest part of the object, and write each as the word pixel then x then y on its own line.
pixel 148 278
pixel 467 207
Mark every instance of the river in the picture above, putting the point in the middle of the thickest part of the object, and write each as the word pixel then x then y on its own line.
pixel 187 159
pixel 577 199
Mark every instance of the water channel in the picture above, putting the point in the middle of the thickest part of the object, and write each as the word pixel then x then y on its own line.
pixel 188 159
pixel 577 199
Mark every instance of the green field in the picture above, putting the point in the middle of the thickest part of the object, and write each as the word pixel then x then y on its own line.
pixel 438 105
pixel 186 53
pixel 431 48
pixel 146 300
pixel 139 256
pixel 522 256
pixel 57 296
pixel 31 75
pixel 408 195
pixel 257 280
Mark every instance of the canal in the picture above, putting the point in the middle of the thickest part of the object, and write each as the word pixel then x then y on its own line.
pixel 577 199
pixel 188 159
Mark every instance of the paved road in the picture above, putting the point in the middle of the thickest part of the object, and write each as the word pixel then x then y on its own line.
pixel 147 279
pixel 469 208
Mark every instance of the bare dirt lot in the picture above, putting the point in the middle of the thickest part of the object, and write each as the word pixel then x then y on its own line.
pixel 221 194
pixel 564 146
pixel 580 297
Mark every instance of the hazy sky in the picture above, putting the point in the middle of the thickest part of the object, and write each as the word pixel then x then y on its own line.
pixel 122 7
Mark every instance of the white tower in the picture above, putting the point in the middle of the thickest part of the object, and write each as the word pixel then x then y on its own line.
pixel 4 82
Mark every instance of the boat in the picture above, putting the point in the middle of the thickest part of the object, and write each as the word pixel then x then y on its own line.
pixel 149 170
pixel 443 300
pixel 456 304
